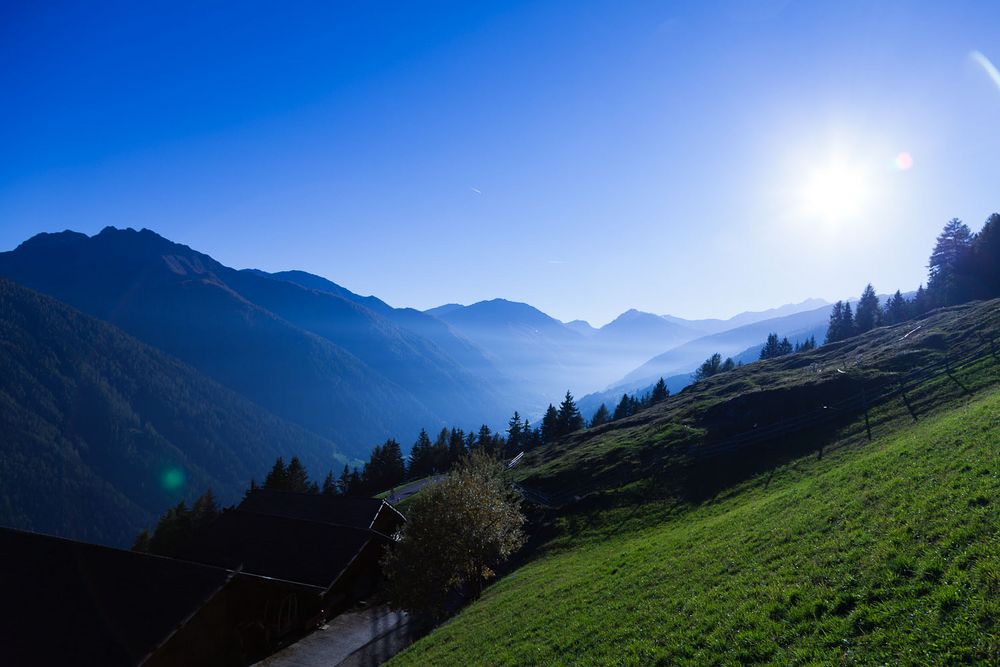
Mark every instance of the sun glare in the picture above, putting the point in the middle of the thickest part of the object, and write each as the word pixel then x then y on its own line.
pixel 835 192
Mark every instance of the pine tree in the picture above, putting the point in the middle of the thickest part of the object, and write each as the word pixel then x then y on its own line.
pixel 770 349
pixel 623 409
pixel 868 312
pixel 204 511
pixel 514 431
pixel 921 303
pixel 421 457
pixel 727 365
pixel 277 478
pixel 456 446
pixel 344 483
pixel 602 416
pixel 550 425
pixel 660 392
pixel 784 347
pixel 895 309
pixel 296 478
pixel 945 281
pixel 985 259
pixel 710 367
pixel 329 485
pixel 569 418
pixel 485 441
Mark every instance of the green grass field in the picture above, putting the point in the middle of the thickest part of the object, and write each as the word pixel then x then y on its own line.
pixel 885 552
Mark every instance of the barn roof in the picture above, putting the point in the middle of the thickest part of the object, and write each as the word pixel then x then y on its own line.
pixel 341 510
pixel 67 602
pixel 309 552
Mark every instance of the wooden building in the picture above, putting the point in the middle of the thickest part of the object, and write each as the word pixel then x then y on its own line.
pixel 72 603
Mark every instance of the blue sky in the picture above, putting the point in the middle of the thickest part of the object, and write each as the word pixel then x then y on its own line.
pixel 585 157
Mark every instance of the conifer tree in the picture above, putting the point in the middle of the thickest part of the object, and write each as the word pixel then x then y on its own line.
pixel 421 457
pixel 868 312
pixel 601 416
pixel 623 409
pixel 569 418
pixel 329 485
pixel 456 446
pixel 947 283
pixel 277 478
pixel 344 483
pixel 710 367
pixel 296 478
pixel 984 266
pixel 660 392
pixel 727 365
pixel 550 425
pixel 485 441
pixel 514 433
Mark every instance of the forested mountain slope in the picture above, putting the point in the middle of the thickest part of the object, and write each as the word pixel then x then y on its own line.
pixel 100 433
pixel 323 361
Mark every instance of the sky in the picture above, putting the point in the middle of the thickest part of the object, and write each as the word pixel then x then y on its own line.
pixel 698 159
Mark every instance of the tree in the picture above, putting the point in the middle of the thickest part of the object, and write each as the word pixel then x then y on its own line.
pixel 946 281
pixel 204 511
pixel 457 533
pixel 868 314
pixel 456 446
pixel 421 457
pixel 345 481
pixel 770 349
pixel 514 431
pixel 984 266
pixel 550 425
pixel 296 478
pixel 602 416
pixel 727 365
pixel 710 367
pixel 329 485
pixel 841 322
pixel 277 478
pixel 623 409
pixel 569 418
pixel 485 442
pixel 660 391
pixel 896 309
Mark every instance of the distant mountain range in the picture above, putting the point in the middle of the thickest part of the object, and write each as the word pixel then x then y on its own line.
pixel 555 356
pixel 99 433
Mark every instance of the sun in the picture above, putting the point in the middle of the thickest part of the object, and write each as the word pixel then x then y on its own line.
pixel 835 192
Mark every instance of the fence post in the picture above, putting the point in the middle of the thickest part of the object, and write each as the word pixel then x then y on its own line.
pixel 906 400
pixel 864 399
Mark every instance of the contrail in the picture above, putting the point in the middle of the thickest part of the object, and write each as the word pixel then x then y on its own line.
pixel 477 191
pixel 987 66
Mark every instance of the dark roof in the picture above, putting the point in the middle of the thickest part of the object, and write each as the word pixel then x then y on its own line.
pixel 308 552
pixel 345 511
pixel 67 603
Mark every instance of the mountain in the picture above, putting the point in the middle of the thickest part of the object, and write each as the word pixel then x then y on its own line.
pixel 100 433
pixel 645 333
pixel 712 326
pixel 522 340
pixel 582 327
pixel 318 358
pixel 467 355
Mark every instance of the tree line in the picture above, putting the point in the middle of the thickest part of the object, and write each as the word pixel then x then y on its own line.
pixel 963 266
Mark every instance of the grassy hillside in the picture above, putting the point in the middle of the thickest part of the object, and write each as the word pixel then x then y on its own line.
pixel 817 547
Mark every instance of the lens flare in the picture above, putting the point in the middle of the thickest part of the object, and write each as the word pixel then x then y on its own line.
pixel 903 161
pixel 172 479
